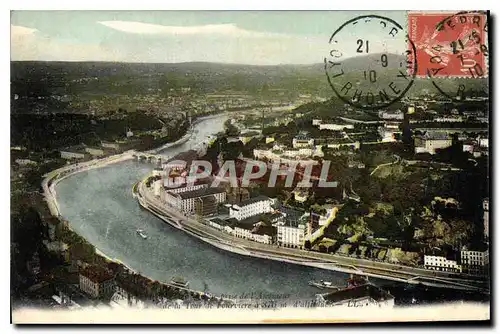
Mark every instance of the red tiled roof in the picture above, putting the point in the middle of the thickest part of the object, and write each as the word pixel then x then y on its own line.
pixel 96 274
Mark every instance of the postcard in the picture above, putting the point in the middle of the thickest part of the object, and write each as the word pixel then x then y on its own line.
pixel 194 167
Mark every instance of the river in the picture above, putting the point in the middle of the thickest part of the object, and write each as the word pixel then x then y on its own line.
pixel 99 205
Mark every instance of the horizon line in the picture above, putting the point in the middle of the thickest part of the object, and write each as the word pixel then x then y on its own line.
pixel 164 63
pixel 320 62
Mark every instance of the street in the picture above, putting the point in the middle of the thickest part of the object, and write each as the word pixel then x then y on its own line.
pixel 363 266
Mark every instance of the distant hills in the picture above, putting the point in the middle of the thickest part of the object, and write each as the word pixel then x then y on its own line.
pixel 63 77
pixel 373 61
pixel 110 68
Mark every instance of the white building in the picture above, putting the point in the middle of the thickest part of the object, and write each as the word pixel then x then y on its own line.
pixel 263 237
pixel 172 165
pixel 288 156
pixel 111 145
pixel 174 182
pixel 217 223
pixel 95 151
pixel 468 147
pixel 301 141
pixel 335 127
pixel 252 228
pixel 388 114
pixel 266 154
pixel 483 141
pixel 186 201
pixel 474 262
pixel 441 263
pixel 449 119
pixel 300 152
pixel 26 162
pixel 388 134
pixel 243 231
pixel 430 142
pixel 73 153
pixel 291 235
pixel 187 188
pixel 389 131
pixel 251 207
pixel 223 225
pixel 355 145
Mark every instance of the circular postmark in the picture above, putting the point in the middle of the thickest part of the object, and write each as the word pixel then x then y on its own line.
pixel 452 50
pixel 371 62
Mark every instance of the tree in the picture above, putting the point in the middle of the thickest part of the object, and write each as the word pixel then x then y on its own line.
pixel 460 232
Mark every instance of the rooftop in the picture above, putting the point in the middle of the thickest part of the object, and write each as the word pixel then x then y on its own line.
pixel 477 248
pixel 291 213
pixel 293 223
pixel 252 200
pixel 200 192
pixel 74 149
pixel 448 254
pixel 357 292
pixel 96 274
pixel 219 221
pixel 266 230
pixel 250 221
pixel 95 148
pixel 207 199
pixel 302 136
pixel 434 135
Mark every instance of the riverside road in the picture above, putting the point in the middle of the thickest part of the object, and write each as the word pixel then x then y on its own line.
pixel 226 241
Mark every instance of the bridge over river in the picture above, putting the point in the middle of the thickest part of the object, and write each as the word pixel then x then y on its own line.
pixel 158 159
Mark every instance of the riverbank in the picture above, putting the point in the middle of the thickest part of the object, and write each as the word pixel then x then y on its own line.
pixel 180 141
pixel 188 134
pixel 103 259
pixel 224 241
pixel 170 252
pixel 51 179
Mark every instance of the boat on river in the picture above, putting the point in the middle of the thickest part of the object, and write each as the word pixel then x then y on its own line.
pixel 179 282
pixel 353 281
pixel 141 233
pixel 324 285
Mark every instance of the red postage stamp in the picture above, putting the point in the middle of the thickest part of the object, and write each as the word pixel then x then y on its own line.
pixel 450 44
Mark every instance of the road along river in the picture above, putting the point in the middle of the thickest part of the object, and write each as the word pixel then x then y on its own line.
pixel 99 205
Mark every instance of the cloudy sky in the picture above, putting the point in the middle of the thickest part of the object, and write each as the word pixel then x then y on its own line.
pixel 245 37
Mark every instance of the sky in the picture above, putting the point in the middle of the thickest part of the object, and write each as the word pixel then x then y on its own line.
pixel 243 37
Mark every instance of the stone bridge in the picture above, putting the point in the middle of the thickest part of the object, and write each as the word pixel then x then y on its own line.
pixel 152 158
